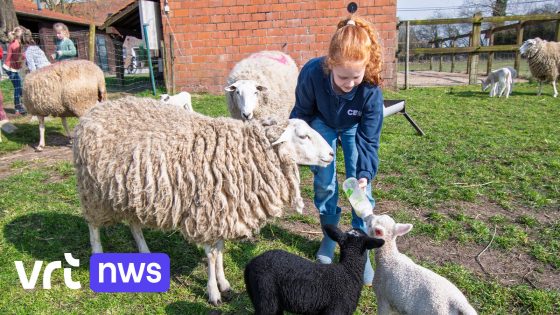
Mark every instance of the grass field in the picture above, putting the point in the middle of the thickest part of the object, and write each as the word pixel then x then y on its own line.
pixel 500 156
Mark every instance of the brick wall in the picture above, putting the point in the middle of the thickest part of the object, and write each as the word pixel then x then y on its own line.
pixel 211 36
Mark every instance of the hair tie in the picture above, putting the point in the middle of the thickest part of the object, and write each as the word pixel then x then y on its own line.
pixel 351 22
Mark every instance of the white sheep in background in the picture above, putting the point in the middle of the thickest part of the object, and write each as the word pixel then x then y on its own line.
pixel 213 179
pixel 64 89
pixel 544 61
pixel 181 100
pixel 403 287
pixel 262 85
pixel 501 79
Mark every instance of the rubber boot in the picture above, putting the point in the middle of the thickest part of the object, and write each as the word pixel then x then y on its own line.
pixel 326 250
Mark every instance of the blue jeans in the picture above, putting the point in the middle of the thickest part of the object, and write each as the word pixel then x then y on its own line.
pixel 325 184
pixel 16 82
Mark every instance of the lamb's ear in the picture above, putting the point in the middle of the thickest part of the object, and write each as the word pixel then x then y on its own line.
pixel 372 243
pixel 333 232
pixel 261 88
pixel 402 229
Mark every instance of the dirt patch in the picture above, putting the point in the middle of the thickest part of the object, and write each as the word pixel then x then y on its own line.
pixel 30 158
pixel 435 78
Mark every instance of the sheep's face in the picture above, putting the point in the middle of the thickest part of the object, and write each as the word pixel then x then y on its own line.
pixel 485 84
pixel 246 96
pixel 305 145
pixel 529 47
pixel 352 239
pixel 385 228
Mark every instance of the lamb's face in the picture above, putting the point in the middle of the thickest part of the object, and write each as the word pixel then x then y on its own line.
pixel 246 96
pixel 353 239
pixel 485 84
pixel 528 48
pixel 306 146
pixel 385 228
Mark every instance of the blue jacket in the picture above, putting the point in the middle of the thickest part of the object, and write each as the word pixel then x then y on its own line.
pixel 315 98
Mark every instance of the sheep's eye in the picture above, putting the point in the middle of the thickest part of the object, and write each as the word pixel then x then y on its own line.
pixel 256 92
pixel 304 137
pixel 237 92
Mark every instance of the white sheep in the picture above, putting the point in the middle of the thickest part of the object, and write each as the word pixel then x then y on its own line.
pixel 403 287
pixel 64 89
pixel 262 85
pixel 181 100
pixel 501 79
pixel 544 61
pixel 213 179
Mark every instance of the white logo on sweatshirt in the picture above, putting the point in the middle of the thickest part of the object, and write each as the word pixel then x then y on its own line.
pixel 354 112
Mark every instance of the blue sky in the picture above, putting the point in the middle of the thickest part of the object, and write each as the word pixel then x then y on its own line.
pixel 427 5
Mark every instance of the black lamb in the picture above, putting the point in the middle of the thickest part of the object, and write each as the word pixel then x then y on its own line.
pixel 279 281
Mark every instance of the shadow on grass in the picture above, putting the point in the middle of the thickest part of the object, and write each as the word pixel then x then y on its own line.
pixel 48 235
pixel 191 308
pixel 28 134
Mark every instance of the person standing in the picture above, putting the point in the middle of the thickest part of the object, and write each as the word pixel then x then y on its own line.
pixel 340 97
pixel 65 48
pixel 12 64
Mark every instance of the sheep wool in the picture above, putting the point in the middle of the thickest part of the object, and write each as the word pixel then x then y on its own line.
pixel 544 60
pixel 64 89
pixel 210 178
pixel 274 70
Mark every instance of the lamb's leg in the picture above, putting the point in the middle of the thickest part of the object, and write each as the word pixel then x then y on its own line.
pixel 503 86
pixel 508 89
pixel 136 230
pixel 214 296
pixel 94 239
pixel 223 284
pixel 41 144
pixel 555 90
pixel 540 89
pixel 65 124
pixel 383 307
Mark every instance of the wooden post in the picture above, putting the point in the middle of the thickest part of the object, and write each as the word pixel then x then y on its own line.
pixel 440 63
pixel 165 70
pixel 517 62
pixel 91 42
pixel 490 54
pixel 407 54
pixel 453 43
pixel 475 42
pixel 558 29
pixel 432 58
pixel 172 60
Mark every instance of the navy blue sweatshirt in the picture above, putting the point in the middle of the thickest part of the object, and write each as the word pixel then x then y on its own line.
pixel 315 98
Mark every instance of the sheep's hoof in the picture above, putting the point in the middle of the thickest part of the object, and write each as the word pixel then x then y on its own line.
pixel 227 295
pixel 39 148
pixel 218 302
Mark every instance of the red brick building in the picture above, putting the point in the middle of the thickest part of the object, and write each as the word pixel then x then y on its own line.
pixel 212 35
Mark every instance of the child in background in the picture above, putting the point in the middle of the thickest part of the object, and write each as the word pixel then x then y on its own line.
pixel 3 115
pixel 34 56
pixel 12 65
pixel 339 96
pixel 65 48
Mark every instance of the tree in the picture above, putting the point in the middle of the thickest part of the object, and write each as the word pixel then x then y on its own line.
pixel 8 19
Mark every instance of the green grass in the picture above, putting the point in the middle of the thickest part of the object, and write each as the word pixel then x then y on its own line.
pixel 477 150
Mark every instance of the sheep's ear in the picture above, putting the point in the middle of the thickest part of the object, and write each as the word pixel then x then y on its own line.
pixel 230 88
pixel 333 232
pixel 379 232
pixel 285 136
pixel 261 88
pixel 402 229
pixel 372 243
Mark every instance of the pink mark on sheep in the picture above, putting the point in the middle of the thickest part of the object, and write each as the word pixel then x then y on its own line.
pixel 282 59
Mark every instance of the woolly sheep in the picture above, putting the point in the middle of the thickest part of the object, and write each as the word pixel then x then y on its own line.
pixel 279 281
pixel 181 100
pixel 501 79
pixel 213 179
pixel 544 60
pixel 404 287
pixel 64 89
pixel 262 85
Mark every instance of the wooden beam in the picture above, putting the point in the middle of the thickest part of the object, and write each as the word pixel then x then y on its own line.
pixel 490 19
pixel 462 50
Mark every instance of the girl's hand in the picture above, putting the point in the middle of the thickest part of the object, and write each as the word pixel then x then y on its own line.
pixel 362 183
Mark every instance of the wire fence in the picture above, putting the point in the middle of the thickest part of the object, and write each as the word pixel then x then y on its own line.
pixel 123 61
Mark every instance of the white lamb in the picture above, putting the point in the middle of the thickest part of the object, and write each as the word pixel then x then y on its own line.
pixel 501 79
pixel 403 287
pixel 262 85
pixel 181 100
